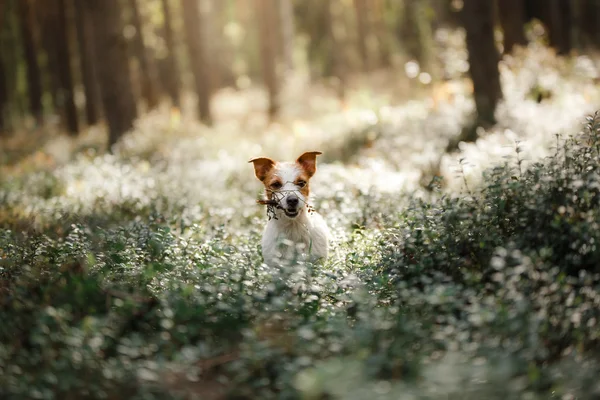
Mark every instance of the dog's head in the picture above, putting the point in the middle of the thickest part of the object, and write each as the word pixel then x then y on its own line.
pixel 286 183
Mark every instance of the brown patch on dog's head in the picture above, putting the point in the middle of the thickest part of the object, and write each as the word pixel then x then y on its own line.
pixel 302 182
pixel 308 162
pixel 272 183
pixel 308 166
pixel 264 169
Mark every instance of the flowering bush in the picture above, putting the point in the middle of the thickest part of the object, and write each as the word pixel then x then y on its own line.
pixel 118 281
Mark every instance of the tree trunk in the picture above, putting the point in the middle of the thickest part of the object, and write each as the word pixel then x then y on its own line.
pixel 512 19
pixel 10 45
pixel 148 73
pixel 3 95
pixel 589 23
pixel 169 65
pixel 213 20
pixel 34 80
pixel 416 33
pixel 192 20
pixel 268 53
pixel 3 85
pixel 86 61
pixel 560 25
pixel 382 33
pixel 112 63
pixel 63 57
pixel 46 14
pixel 338 44
pixel 287 28
pixel 362 29
pixel 483 57
pixel 314 20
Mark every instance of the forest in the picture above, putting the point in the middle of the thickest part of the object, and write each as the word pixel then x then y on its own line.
pixel 459 179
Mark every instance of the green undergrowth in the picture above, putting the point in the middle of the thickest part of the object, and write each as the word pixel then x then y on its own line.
pixel 491 294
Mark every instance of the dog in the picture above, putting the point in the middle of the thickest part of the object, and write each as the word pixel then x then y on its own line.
pixel 293 227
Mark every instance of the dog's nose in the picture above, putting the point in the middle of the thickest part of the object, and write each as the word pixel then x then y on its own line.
pixel 292 201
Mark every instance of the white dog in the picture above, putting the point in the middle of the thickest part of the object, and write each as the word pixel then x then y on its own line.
pixel 293 224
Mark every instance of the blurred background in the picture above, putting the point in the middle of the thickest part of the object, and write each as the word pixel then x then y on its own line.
pixel 80 74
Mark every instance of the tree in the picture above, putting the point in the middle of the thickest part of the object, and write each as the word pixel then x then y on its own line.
pixel 416 33
pixel 148 71
pixel 478 21
pixel 63 57
pixel 362 28
pixel 287 28
pixel 3 96
pixel 381 31
pixel 86 61
pixel 34 80
pixel 10 44
pixel 215 16
pixel 114 77
pixel 512 19
pixel 589 15
pixel 556 16
pixel 46 15
pixel 316 20
pixel 169 65
pixel 338 44
pixel 268 52
pixel 192 21
pixel 560 25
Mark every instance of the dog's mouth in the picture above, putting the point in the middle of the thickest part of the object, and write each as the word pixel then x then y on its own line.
pixel 272 204
pixel 291 212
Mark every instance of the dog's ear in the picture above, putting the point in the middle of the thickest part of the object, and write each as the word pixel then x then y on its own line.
pixel 262 166
pixel 308 162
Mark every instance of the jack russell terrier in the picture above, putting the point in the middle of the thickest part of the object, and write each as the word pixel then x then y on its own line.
pixel 293 225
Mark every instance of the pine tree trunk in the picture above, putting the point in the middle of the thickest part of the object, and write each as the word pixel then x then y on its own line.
pixel 362 28
pixel 34 79
pixel 112 63
pixel 512 19
pixel 268 53
pixel 86 62
pixel 169 65
pixel 192 20
pixel 65 78
pixel 483 57
pixel 148 73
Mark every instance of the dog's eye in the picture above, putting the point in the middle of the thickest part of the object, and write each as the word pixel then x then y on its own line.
pixel 276 185
pixel 301 183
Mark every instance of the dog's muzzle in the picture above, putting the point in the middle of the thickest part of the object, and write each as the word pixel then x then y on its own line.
pixel 292 208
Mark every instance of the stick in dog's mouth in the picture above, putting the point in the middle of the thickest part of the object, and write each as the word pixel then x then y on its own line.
pixel 268 202
pixel 271 206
